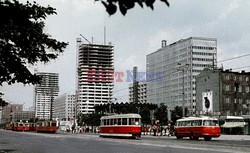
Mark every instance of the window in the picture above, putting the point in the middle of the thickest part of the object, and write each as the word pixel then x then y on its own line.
pixel 197 123
pixel 240 78
pixel 240 100
pixel 235 78
pixel 227 100
pixel 240 88
pixel 131 121
pixel 111 122
pixel 124 121
pixel 227 87
pixel 227 77
pixel 228 112
pixel 247 89
pixel 119 121
pixel 235 100
pixel 247 78
pixel 210 123
pixel 137 121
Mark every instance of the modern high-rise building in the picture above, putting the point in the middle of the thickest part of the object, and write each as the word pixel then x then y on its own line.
pixel 64 106
pixel 179 64
pixel 45 93
pixel 95 70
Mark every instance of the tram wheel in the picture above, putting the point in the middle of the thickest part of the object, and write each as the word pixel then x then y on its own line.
pixel 178 137
pixel 207 138
pixel 137 137
pixel 191 137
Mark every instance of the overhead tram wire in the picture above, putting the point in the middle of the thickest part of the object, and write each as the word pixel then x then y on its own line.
pixel 233 58
pixel 241 67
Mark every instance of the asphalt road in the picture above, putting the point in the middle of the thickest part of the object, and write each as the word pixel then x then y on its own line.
pixel 23 142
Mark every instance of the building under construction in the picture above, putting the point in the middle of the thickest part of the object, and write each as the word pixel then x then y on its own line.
pixel 95 69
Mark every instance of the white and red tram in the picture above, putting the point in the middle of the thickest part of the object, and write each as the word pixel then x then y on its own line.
pixel 124 125
pixel 196 127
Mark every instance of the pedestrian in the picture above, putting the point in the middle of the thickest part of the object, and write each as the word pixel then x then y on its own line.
pixel 154 129
pixel 167 132
pixel 73 128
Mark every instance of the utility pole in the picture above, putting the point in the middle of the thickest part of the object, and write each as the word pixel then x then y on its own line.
pixel 182 68
pixel 51 102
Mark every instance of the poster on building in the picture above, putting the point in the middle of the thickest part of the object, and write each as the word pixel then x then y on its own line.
pixel 207 102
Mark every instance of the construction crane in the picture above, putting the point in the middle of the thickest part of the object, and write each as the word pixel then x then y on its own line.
pixel 85 38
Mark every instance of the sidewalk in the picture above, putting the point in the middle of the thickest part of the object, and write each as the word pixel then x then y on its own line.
pixel 235 137
pixel 222 137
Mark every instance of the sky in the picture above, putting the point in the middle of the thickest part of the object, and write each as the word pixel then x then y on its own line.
pixel 137 34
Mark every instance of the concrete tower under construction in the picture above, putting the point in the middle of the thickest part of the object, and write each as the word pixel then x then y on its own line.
pixel 95 71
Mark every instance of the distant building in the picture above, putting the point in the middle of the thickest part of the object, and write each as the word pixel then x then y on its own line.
pixel 7 112
pixel 141 92
pixel 137 90
pixel 64 106
pixel 227 93
pixel 45 93
pixel 186 57
pixel 23 115
pixel 96 60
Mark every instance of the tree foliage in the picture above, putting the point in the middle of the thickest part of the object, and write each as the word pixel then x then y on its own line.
pixel 89 119
pixel 23 40
pixel 161 114
pixel 2 102
pixel 176 113
pixel 125 108
pixel 125 5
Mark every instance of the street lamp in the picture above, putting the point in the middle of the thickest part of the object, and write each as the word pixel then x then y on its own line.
pixel 182 68
pixel 138 109
pixel 43 110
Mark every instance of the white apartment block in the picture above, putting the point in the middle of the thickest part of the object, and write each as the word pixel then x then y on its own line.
pixel 141 92
pixel 44 94
pixel 98 59
pixel 64 106
pixel 190 56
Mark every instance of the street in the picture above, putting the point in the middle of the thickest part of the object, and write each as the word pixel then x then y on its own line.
pixel 30 142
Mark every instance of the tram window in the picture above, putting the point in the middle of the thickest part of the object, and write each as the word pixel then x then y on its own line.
pixel 111 121
pixel 108 121
pixel 137 121
pixel 105 122
pixel 115 121
pixel 53 124
pixel 131 121
pixel 197 123
pixel 124 121
pixel 119 121
pixel 210 122
pixel 102 122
